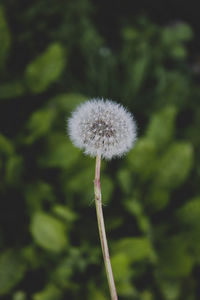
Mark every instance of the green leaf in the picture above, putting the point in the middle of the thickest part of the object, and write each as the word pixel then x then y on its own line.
pixel 178 51
pixel 68 102
pixel 37 194
pixel 51 292
pixel 125 179
pixel 121 265
pixel 125 288
pixel 65 213
pixel 106 189
pixel 134 207
pixel 135 248
pixel 6 147
pixel 183 32
pixel 74 184
pixel 61 153
pixel 32 256
pixel 45 69
pixel 170 289
pixel 175 259
pixel 174 166
pixel 77 259
pixel 138 70
pixel 5 38
pixel 19 295
pixel 13 169
pixel 113 223
pixel 95 293
pixel 161 127
pixel 147 295
pixel 63 272
pixel 12 271
pixel 157 198
pixel 189 213
pixel 142 159
pixel 130 33
pixel 48 232
pixel 177 33
pixel 39 124
pixel 122 270
pixel 11 90
pixel 173 87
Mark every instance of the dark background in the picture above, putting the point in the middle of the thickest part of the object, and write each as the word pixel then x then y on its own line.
pixel 54 56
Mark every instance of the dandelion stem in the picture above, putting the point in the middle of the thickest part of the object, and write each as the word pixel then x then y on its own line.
pixel 102 232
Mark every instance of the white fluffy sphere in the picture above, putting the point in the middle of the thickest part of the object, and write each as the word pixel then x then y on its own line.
pixel 102 127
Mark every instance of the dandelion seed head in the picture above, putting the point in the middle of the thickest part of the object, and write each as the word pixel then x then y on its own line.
pixel 102 127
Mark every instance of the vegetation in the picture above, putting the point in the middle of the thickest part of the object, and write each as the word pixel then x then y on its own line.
pixel 54 56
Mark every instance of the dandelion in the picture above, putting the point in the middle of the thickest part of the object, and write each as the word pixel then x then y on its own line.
pixel 104 129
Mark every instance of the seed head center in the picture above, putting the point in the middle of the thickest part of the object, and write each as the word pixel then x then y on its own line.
pixel 103 129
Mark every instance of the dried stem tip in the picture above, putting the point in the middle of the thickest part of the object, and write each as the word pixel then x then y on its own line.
pixel 102 127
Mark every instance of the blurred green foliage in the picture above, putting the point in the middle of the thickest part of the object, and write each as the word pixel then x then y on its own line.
pixel 52 58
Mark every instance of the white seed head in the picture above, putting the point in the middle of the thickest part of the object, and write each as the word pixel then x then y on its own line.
pixel 102 127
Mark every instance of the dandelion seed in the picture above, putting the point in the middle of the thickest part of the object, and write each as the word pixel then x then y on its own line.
pixel 102 127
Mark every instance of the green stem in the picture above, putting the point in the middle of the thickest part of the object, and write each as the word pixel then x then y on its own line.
pixel 102 232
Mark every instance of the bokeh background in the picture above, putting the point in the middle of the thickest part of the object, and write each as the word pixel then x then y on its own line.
pixel 53 56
